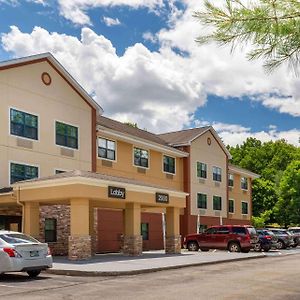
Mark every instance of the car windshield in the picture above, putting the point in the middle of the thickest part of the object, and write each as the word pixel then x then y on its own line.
pixel 18 238
pixel 251 230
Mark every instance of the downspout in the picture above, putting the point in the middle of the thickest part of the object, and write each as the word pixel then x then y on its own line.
pixel 23 207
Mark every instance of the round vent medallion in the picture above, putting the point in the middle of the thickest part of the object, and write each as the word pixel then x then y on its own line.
pixel 208 141
pixel 46 78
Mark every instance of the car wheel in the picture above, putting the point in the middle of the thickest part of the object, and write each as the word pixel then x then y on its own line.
pixel 281 244
pixel 257 247
pixel 193 246
pixel 234 247
pixel 34 274
pixel 204 250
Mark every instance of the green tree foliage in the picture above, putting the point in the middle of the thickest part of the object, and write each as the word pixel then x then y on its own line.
pixel 272 27
pixel 273 161
pixel 288 207
pixel 134 125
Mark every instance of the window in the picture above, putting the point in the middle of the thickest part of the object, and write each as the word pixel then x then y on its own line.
pixel 20 172
pixel 217 203
pixel 50 231
pixel 239 230
pixel 106 149
pixel 202 200
pixel 66 135
pixel 223 230
pixel 141 157
pixel 230 180
pixel 244 183
pixel 201 170
pixel 211 230
pixel 23 124
pixel 244 208
pixel 202 228
pixel 231 206
pixel 169 164
pixel 217 174
pixel 145 231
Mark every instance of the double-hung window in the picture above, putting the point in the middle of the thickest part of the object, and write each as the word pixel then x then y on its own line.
pixel 23 124
pixel 217 174
pixel 244 208
pixel 231 206
pixel 244 183
pixel 66 135
pixel 50 231
pixel 217 203
pixel 145 231
pixel 106 149
pixel 19 172
pixel 169 164
pixel 230 180
pixel 141 158
pixel 201 200
pixel 201 170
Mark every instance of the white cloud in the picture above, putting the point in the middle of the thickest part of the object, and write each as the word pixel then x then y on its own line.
pixel 140 86
pixel 149 36
pixel 111 22
pixel 76 10
pixel 41 2
pixel 162 90
pixel 234 134
pixel 10 2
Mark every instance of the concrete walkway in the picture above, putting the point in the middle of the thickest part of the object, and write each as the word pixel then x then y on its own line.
pixel 150 261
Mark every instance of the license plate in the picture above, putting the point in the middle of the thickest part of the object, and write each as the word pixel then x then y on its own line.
pixel 34 253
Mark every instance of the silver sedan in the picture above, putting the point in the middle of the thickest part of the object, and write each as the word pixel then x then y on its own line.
pixel 23 253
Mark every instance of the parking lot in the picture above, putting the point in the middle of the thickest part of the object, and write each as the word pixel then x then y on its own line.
pixel 276 276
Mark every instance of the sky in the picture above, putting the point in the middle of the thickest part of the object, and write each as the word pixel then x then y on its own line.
pixel 140 62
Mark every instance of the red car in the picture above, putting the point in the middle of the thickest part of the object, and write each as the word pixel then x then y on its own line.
pixel 235 238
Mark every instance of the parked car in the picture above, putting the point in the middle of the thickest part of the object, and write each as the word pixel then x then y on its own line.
pixel 234 238
pixel 267 240
pixel 285 239
pixel 23 253
pixel 295 231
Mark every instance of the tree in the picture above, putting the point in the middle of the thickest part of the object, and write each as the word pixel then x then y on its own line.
pixel 288 207
pixel 272 27
pixel 134 125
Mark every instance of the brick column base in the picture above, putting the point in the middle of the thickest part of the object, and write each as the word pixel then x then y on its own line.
pixel 173 244
pixel 80 247
pixel 133 245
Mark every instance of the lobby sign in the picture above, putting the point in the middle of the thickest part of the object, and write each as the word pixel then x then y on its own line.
pixel 162 198
pixel 116 192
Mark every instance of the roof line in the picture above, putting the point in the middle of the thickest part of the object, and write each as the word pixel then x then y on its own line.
pixel 184 130
pixel 47 56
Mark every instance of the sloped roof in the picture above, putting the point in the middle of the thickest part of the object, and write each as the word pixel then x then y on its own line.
pixel 147 136
pixel 48 57
pixel 242 171
pixel 183 137
pixel 92 175
pixel 187 136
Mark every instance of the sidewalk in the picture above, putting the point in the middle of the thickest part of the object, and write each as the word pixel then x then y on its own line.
pixel 116 264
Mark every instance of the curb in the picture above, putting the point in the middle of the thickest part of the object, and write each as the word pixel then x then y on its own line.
pixel 144 271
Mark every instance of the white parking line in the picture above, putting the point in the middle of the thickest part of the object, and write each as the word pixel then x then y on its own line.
pixel 9 286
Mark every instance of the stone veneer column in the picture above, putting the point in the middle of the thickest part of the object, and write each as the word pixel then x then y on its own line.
pixel 80 240
pixel 173 244
pixel 133 242
pixel 173 238
pixel 80 247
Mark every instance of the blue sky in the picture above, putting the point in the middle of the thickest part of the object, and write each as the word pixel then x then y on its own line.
pixel 139 59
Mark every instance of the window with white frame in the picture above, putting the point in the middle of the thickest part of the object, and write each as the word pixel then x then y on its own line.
pixel 19 172
pixel 106 149
pixel 141 157
pixel 231 206
pixel 169 164
pixel 217 203
pixel 217 174
pixel 202 201
pixel 244 208
pixel 230 180
pixel 66 135
pixel 244 183
pixel 201 170
pixel 23 124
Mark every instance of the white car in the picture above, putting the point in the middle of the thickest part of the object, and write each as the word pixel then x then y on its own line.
pixel 23 253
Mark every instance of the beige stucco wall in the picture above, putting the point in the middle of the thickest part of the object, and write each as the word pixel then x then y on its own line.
pixel 124 166
pixel 22 88
pixel 239 195
pixel 212 155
